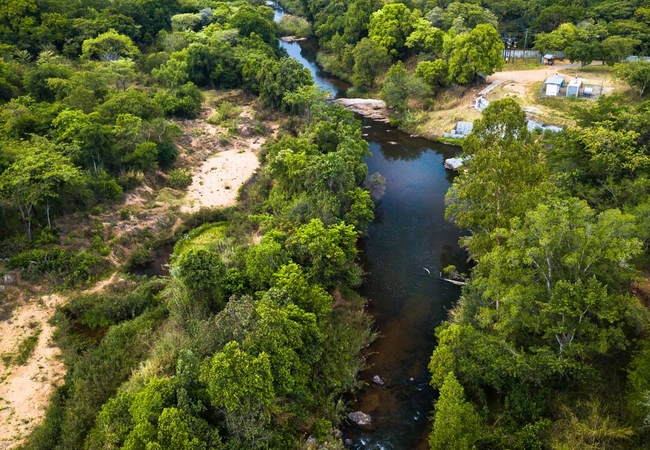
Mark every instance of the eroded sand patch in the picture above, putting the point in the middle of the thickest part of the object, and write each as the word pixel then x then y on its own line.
pixel 25 390
pixel 217 181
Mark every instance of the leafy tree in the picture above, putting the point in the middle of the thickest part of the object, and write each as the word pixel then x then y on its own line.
pixel 277 78
pixel 369 60
pixel 109 46
pixel 479 51
pixel 462 17
pixel 175 72
pixel 584 52
pixel 357 19
pixel 292 281
pixel 327 253
pixel 34 178
pixel 241 385
pixel 202 272
pixel 396 89
pixel 36 80
pixel 617 48
pixel 264 259
pixel 426 37
pixel 504 176
pixel 90 144
pixel 123 72
pixel 292 340
pixel 390 27
pixel 456 425
pixel 566 264
pixel 635 73
pixel 433 73
pixel 249 20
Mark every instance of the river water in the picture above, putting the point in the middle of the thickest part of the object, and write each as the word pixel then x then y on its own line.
pixel 408 235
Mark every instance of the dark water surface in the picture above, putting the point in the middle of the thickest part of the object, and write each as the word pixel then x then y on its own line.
pixel 408 234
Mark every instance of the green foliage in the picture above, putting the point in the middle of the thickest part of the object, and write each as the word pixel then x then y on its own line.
pixel 33 178
pixel 391 26
pixel 242 384
pixel 433 73
pixel 201 271
pixel 277 78
pixel 639 384
pixel 327 253
pixel 504 176
pixel 294 26
pixel 99 310
pixel 456 425
pixel 636 74
pixel 399 86
pixel 66 267
pixel 369 60
pixel 179 178
pixel 478 51
pixel 109 46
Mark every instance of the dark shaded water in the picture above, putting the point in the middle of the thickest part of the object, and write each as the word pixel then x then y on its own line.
pixel 408 234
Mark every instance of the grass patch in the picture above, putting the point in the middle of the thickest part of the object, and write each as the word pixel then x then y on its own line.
pixel 170 196
pixel 522 64
pixel 27 347
pixel 24 352
pixel 204 237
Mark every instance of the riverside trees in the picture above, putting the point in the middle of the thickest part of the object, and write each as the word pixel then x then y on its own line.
pixel 546 317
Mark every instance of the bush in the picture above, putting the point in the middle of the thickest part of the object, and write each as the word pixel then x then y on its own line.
pixel 62 266
pixel 167 154
pixel 179 179
pixel 224 111
pixel 294 26
pixel 131 180
pixel 98 310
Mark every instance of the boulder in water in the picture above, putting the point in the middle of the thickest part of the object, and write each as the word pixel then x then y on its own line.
pixel 360 418
pixel 378 380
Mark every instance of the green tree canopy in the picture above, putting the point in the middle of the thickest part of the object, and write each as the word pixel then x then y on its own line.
pixel 456 425
pixel 109 46
pixel 479 51
pixel 35 178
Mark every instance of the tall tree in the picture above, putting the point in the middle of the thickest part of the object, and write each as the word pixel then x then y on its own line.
pixel 505 175
pixel 479 51
pixel 35 178
pixel 635 73
pixel 456 425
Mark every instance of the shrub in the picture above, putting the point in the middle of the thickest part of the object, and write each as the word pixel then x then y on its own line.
pixel 224 111
pixel 179 179
pixel 62 266
pixel 294 26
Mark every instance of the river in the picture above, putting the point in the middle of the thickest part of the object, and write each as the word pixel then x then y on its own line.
pixel 408 235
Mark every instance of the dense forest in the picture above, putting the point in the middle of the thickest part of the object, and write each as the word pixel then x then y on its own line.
pixel 257 335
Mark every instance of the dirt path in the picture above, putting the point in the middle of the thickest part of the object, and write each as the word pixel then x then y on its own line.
pixel 531 76
pixel 25 390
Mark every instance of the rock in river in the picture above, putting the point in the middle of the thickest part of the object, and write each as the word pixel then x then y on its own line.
pixel 378 380
pixel 360 418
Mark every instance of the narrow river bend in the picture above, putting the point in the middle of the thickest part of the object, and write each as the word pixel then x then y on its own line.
pixel 408 234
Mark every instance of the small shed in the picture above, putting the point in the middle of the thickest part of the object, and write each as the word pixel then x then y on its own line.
pixel 573 89
pixel 548 59
pixel 552 85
